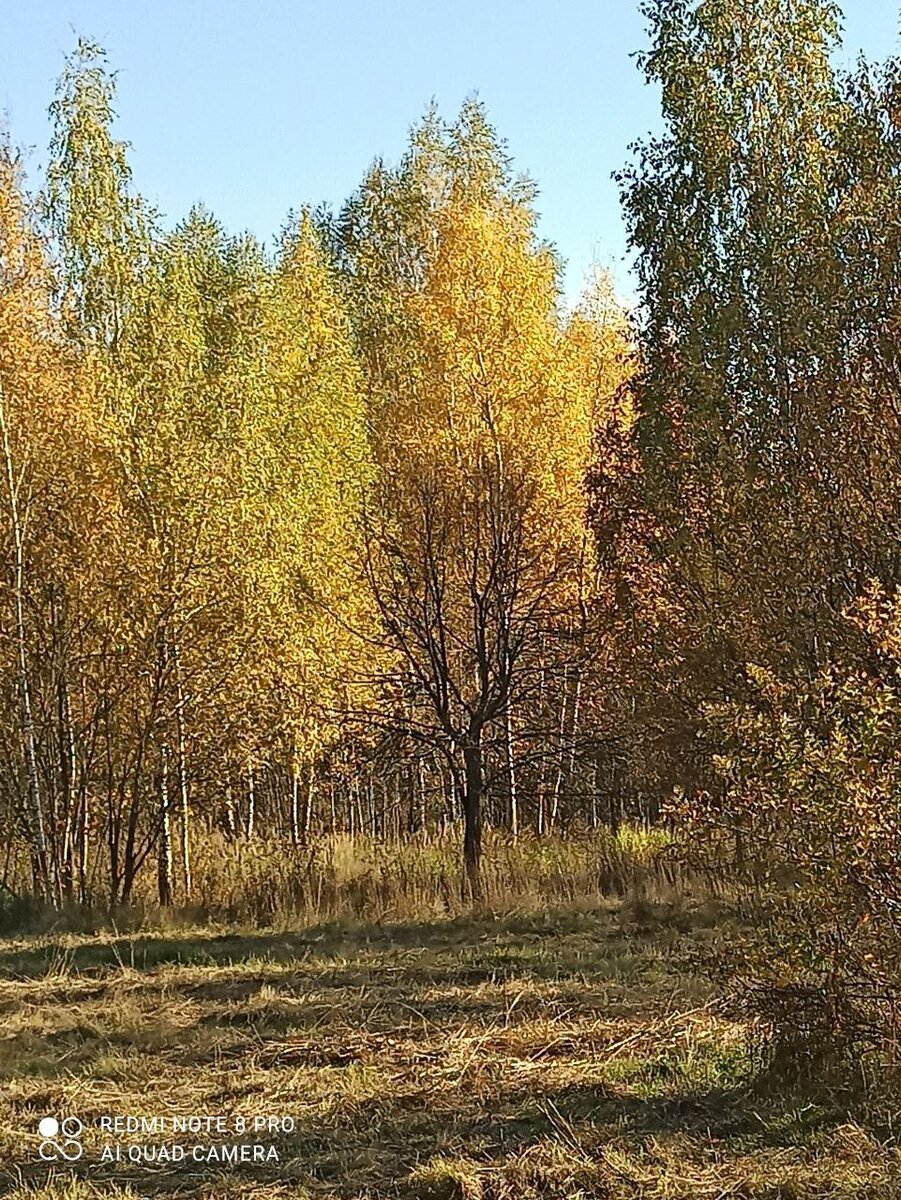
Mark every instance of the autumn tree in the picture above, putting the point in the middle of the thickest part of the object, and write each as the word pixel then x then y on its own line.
pixel 730 212
pixel 766 224
pixel 323 506
pixel 55 460
pixel 239 458
pixel 482 400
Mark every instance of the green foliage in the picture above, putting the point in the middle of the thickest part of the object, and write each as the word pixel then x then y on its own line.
pixel 101 228
pixel 766 224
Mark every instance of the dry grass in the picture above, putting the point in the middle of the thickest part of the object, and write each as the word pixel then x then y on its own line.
pixel 337 877
pixel 572 1054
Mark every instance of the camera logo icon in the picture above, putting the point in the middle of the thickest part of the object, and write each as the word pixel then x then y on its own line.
pixel 61 1139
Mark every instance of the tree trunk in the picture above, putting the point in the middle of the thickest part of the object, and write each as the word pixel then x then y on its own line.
pixel 541 799
pixel 598 784
pixel 251 803
pixel 84 826
pixel 65 866
pixel 231 819
pixel 164 849
pixel 472 817
pixel 561 755
pixel 615 804
pixel 40 865
pixel 309 796
pixel 574 730
pixel 512 799
pixel 423 814
pixel 84 834
pixel 295 803
pixel 181 762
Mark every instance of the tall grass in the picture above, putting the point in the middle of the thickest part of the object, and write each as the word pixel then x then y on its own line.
pixel 338 877
pixel 364 877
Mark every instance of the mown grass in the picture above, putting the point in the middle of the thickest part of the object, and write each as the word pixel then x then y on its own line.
pixel 569 1054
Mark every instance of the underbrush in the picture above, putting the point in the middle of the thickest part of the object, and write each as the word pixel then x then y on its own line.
pixel 338 877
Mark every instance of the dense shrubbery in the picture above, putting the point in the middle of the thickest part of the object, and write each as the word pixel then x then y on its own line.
pixel 767 219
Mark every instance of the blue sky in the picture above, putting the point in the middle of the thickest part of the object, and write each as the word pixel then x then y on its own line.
pixel 258 106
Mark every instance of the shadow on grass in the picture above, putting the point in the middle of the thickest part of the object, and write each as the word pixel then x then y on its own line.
pixel 484 935
pixel 374 1152
pixel 363 976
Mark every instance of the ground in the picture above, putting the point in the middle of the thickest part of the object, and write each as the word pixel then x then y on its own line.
pixel 580 1054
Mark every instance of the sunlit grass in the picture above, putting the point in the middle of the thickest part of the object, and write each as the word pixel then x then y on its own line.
pixel 569 1054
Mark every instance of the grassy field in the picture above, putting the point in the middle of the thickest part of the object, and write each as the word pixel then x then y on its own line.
pixel 567 1054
